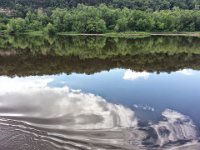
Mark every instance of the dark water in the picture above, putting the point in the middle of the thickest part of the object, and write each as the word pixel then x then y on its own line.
pixel 97 93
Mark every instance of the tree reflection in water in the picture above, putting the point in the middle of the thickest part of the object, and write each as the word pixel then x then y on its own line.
pixel 31 55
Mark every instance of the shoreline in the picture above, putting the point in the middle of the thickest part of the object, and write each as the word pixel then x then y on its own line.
pixel 193 34
pixel 144 34
pixel 113 34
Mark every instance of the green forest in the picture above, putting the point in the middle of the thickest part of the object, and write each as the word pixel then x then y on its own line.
pixel 105 16
pixel 132 4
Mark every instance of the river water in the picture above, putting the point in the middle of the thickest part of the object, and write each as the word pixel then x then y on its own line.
pixel 97 93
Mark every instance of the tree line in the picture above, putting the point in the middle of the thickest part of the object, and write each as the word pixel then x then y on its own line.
pixel 102 19
pixel 133 4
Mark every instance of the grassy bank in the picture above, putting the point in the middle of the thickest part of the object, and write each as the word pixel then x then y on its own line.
pixel 128 34
pixel 112 34
pixel 34 33
pixel 193 34
pixel 133 34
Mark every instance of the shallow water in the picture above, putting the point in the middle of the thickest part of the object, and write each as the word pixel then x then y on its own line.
pixel 99 93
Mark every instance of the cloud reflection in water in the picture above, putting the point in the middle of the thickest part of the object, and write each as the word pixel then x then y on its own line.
pixel 32 101
pixel 33 98
pixel 133 75
pixel 176 128
pixel 187 72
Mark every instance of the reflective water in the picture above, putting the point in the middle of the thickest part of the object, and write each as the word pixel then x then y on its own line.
pixel 99 97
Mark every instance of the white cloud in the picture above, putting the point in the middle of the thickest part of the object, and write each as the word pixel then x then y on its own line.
pixel 17 84
pixel 33 98
pixel 187 72
pixel 133 75
pixel 144 107
pixel 175 127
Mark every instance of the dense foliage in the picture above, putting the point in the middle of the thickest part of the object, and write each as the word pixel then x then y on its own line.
pixel 101 19
pixel 134 4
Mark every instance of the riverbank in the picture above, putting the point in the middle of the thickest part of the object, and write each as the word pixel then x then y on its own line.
pixel 193 34
pixel 110 34
pixel 114 34
pixel 135 34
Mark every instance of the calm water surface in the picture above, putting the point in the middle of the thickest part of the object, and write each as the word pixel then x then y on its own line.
pixel 96 93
